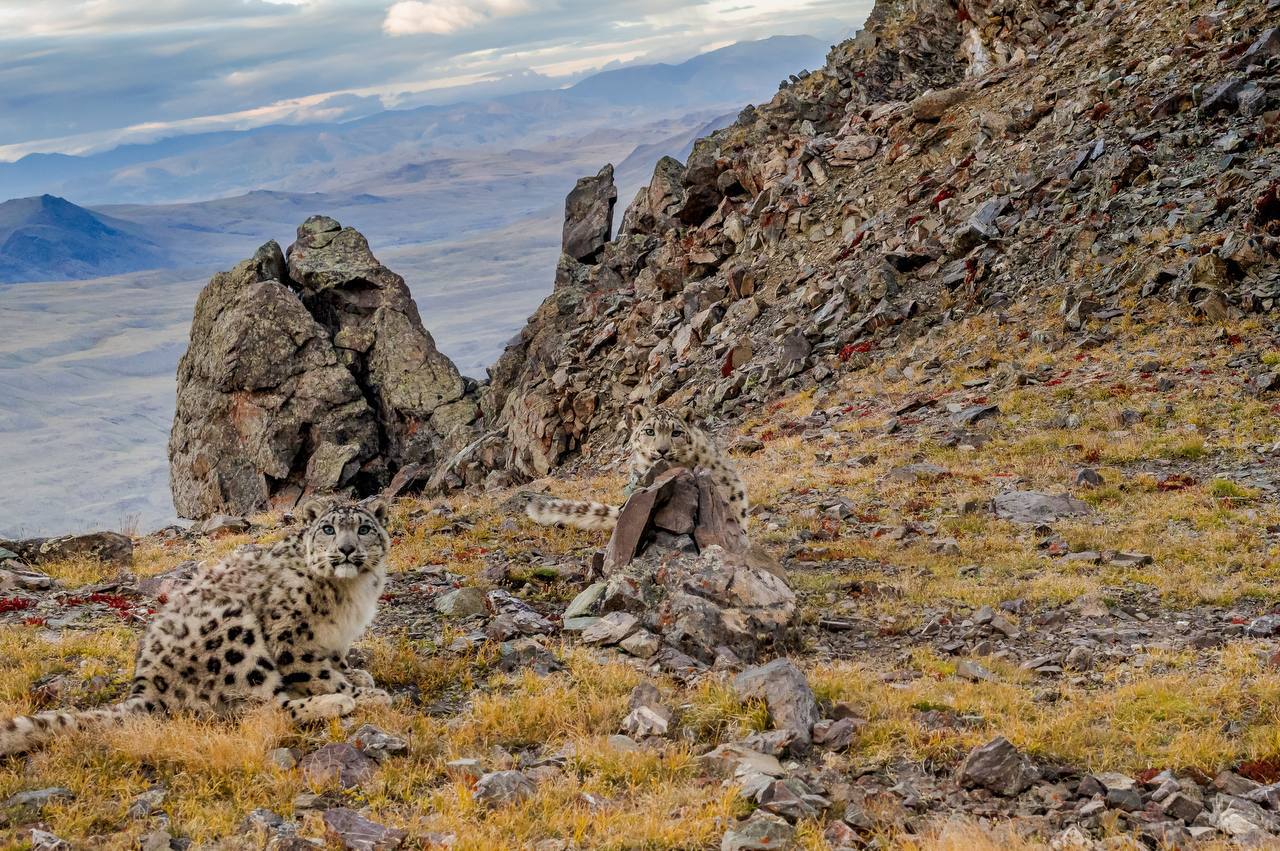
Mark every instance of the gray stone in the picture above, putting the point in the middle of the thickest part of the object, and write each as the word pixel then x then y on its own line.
pixel 283 758
pixel 500 788
pixel 611 628
pixel 462 603
pixel 999 767
pixel 1265 45
pixel 760 832
pixel 642 644
pixel 27 806
pixel 1087 477
pixel 932 104
pixel 156 840
pixel 1180 805
pixel 781 797
pixel 973 414
pixel 146 804
pixel 1223 95
pixel 378 744
pixel 738 760
pixel 969 670
pixel 261 819
pixel 1034 507
pixel 648 715
pixel 338 763
pixel 1239 817
pixel 786 693
pixel 466 770
pixel 836 735
pixel 353 832
pixel 1079 658
pixel 1124 799
pixel 647 721
pixel 44 841
pixel 223 524
pixel 585 602
pixel 16 576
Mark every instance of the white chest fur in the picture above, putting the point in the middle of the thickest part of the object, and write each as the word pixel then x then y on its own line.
pixel 337 631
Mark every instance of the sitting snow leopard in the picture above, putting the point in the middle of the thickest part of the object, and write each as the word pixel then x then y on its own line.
pixel 658 436
pixel 263 625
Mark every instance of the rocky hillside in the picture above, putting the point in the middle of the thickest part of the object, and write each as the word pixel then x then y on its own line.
pixel 954 159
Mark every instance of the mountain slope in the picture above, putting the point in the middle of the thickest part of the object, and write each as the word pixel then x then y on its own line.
pixel 48 238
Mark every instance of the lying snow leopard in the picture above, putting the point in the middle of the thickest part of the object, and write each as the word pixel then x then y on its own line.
pixel 658 436
pixel 267 625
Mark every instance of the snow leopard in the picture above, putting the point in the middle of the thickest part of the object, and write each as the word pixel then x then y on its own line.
pixel 658 436
pixel 265 625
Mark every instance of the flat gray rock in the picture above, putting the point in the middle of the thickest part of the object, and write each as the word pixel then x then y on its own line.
pixel 1035 507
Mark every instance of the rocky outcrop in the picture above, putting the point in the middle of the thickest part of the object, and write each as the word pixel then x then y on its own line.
pixel 307 375
pixel 588 216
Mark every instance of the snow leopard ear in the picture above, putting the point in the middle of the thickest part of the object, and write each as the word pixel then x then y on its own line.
pixel 313 508
pixel 377 506
pixel 637 414
pixel 686 414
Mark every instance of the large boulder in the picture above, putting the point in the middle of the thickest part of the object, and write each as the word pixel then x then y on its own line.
pixel 309 375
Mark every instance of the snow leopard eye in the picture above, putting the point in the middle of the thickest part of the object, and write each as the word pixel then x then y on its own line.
pixel 677 432
pixel 366 529
pixel 327 529
pixel 648 432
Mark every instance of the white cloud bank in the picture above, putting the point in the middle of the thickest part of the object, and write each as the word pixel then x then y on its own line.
pixel 442 17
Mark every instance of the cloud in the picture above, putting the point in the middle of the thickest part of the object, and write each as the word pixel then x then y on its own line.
pixel 442 17
pixel 81 75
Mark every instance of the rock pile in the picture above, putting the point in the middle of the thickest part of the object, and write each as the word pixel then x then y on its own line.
pixel 310 374
pixel 683 585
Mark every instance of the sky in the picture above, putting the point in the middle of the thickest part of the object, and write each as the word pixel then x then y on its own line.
pixel 83 75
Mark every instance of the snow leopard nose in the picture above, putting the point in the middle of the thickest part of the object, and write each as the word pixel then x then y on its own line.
pixel 347 549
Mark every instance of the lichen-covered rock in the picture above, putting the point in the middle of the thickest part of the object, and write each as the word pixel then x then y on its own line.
pixel 308 376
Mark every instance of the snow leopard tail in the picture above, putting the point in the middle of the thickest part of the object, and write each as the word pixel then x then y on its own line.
pixel 580 515
pixel 21 734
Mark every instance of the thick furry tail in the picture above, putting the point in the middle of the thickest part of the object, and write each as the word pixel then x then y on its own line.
pixel 580 515
pixel 21 734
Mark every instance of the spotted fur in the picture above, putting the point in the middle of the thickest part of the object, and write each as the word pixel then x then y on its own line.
pixel 657 436
pixel 264 625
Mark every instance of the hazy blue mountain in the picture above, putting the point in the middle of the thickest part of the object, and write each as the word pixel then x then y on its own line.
pixel 47 238
pixel 738 74
pixel 333 157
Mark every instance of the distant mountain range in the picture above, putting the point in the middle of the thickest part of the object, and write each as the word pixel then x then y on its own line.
pixel 50 239
pixel 369 153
